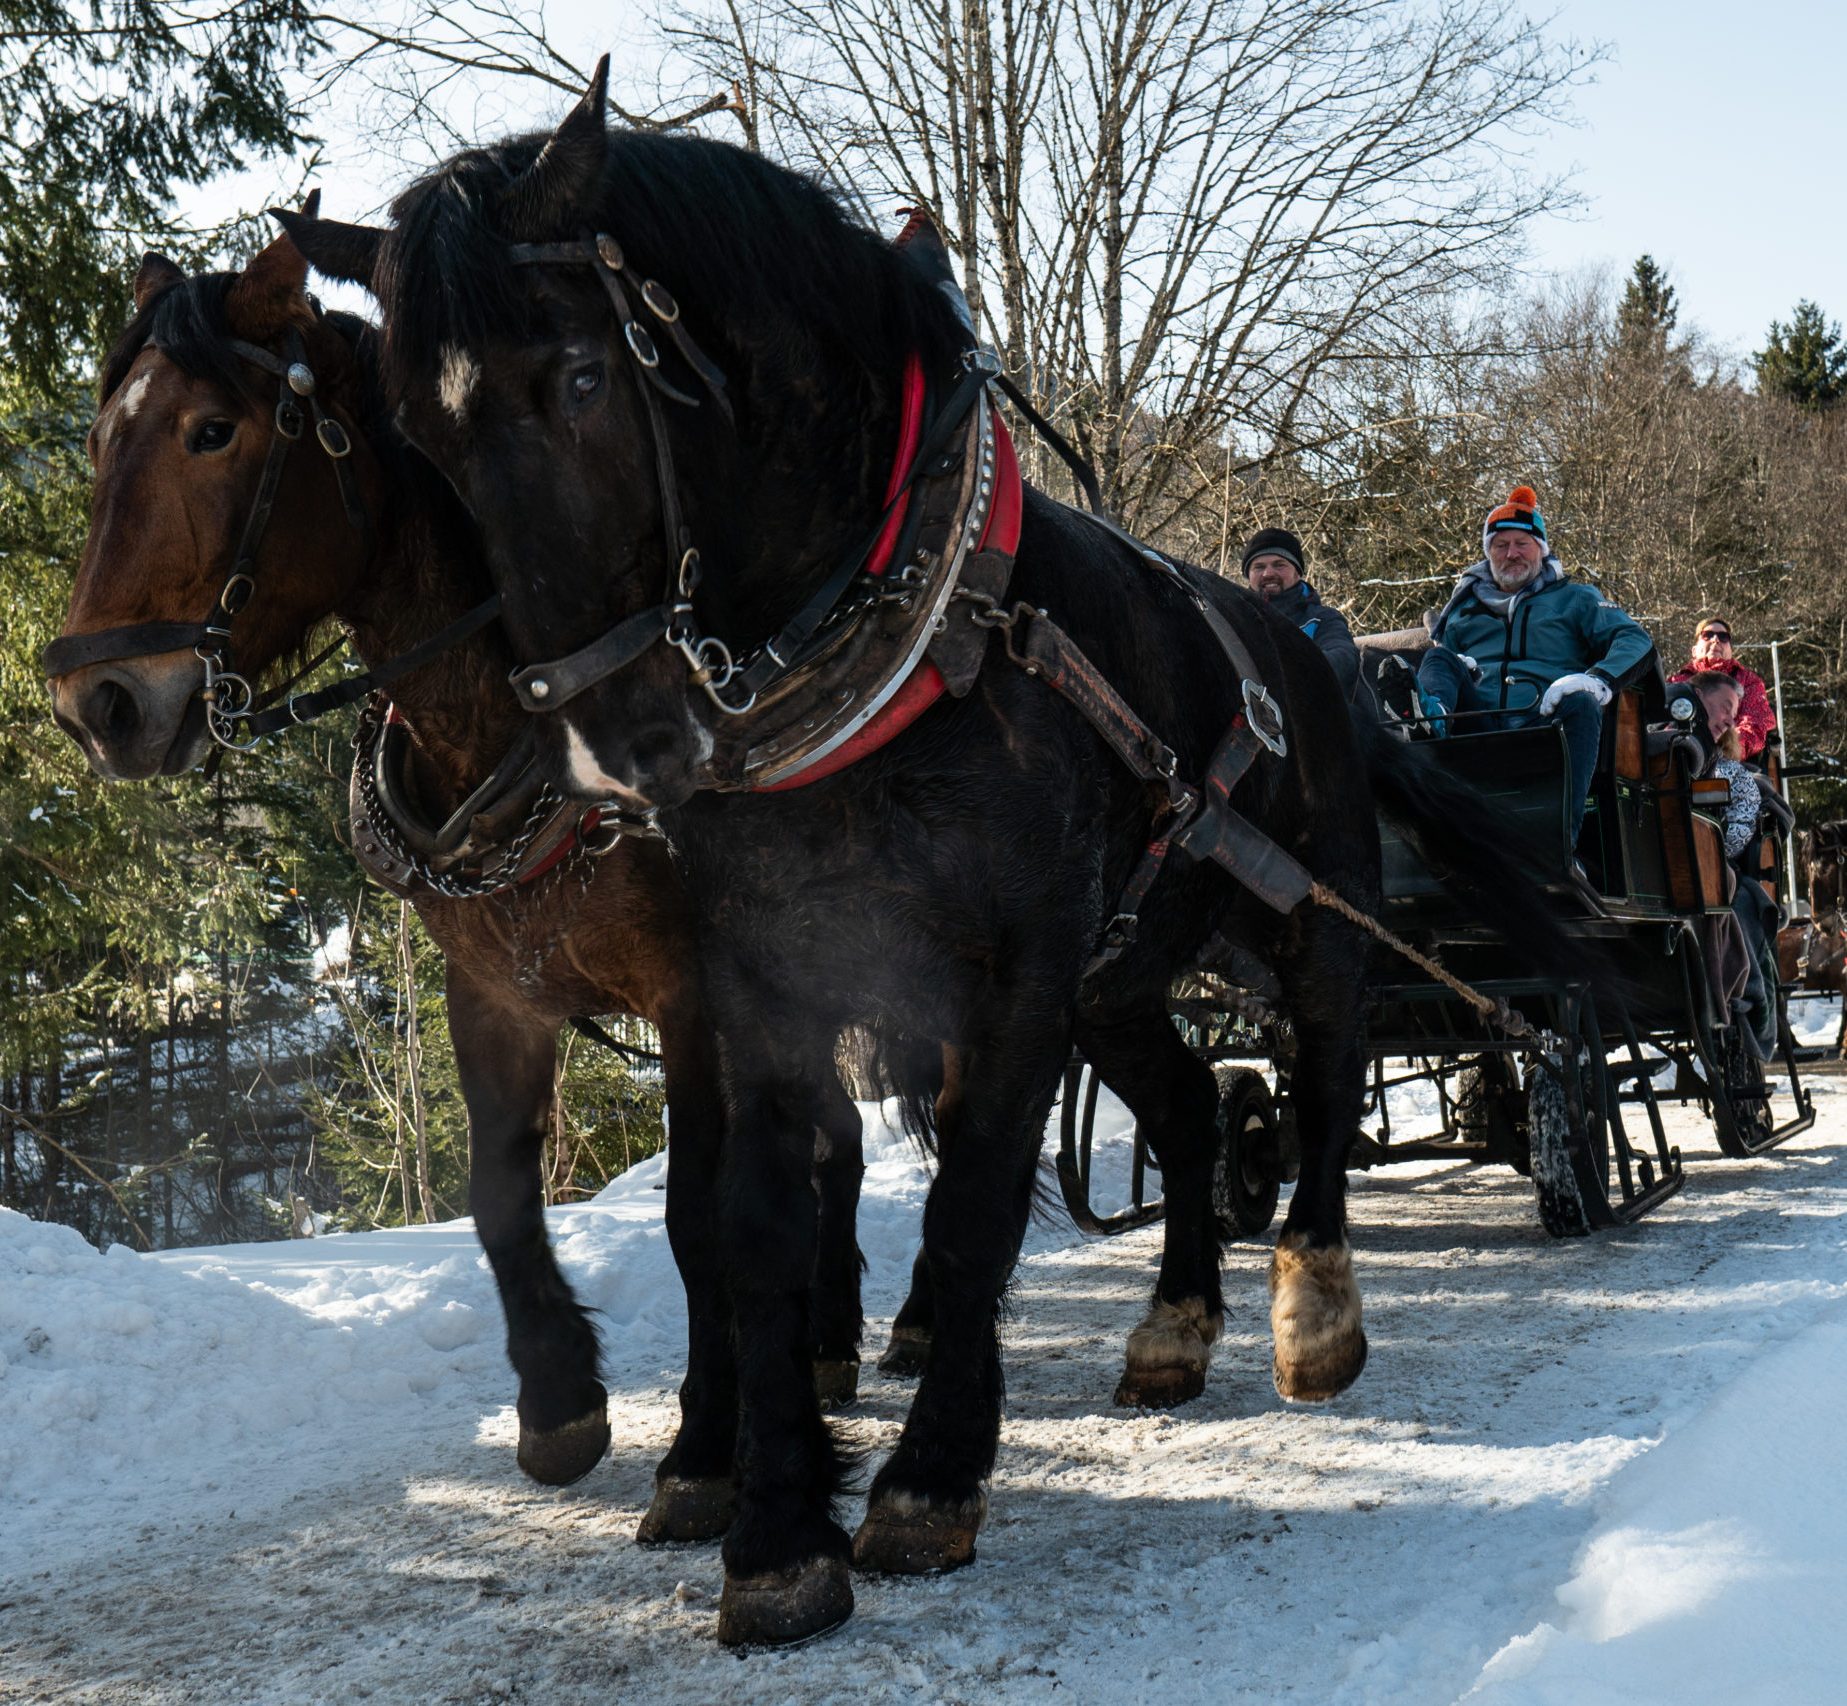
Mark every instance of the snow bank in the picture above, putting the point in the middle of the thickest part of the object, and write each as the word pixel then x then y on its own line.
pixel 144 1382
pixel 1717 1571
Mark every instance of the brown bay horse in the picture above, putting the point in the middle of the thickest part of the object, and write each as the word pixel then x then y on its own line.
pixel 180 445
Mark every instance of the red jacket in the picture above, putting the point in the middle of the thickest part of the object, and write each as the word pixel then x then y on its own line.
pixel 1755 718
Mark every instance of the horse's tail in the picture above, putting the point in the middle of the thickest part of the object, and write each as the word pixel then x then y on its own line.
pixel 908 1070
pixel 1487 866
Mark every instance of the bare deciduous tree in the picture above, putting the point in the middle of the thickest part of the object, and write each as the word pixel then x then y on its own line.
pixel 1173 216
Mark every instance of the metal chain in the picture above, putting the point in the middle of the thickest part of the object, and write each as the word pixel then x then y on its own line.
pixel 452 887
pixel 530 963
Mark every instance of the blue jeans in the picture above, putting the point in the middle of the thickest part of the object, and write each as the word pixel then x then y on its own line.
pixel 1444 677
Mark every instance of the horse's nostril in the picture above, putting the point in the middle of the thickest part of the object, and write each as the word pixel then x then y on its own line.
pixel 653 750
pixel 112 713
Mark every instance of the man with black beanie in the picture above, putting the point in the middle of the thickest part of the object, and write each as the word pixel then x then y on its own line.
pixel 1273 569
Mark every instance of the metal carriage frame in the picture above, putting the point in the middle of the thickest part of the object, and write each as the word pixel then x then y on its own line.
pixel 1645 889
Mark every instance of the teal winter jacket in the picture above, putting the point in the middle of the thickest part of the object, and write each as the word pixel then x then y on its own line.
pixel 1564 627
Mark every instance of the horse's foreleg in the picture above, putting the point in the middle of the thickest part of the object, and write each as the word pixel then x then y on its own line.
pixel 506 1059
pixel 929 1500
pixel 786 1560
pixel 1174 1099
pixel 836 1320
pixel 1320 1345
pixel 695 1489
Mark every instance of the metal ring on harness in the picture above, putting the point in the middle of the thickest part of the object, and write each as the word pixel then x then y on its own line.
pixel 1265 717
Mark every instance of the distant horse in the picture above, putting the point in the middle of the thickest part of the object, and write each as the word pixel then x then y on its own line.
pixel 728 436
pixel 187 427
pixel 1821 851
pixel 1812 955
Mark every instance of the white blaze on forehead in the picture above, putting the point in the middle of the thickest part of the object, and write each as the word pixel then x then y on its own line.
pixel 131 398
pixel 123 406
pixel 457 379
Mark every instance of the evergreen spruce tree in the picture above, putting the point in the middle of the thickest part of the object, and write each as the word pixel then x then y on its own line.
pixel 1804 360
pixel 1648 311
pixel 107 108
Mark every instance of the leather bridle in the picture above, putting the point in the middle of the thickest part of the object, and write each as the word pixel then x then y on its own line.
pixel 234 715
pixel 733 684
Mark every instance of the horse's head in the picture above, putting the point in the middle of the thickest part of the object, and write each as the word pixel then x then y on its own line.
pixel 183 437
pixel 659 372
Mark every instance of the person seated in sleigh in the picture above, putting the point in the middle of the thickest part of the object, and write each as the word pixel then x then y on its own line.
pixel 1750 987
pixel 1519 644
pixel 1276 569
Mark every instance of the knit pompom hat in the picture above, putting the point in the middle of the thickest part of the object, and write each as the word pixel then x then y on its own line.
pixel 1520 514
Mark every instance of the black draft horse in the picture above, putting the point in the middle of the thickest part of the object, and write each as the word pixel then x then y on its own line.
pixel 952 884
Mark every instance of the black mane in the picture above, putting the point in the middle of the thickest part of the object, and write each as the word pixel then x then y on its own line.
pixel 765 262
pixel 186 323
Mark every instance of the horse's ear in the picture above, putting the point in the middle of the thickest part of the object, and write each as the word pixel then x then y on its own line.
pixel 554 186
pixel 155 274
pixel 347 252
pixel 270 293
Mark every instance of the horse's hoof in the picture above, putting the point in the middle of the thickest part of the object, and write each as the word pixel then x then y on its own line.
pixel 905 1535
pixel 783 1607
pixel 1169 1352
pixel 688 1508
pixel 1314 1319
pixel 1159 1388
pixel 836 1381
pixel 907 1353
pixel 559 1456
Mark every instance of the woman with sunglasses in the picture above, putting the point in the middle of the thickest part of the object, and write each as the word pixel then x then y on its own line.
pixel 1712 650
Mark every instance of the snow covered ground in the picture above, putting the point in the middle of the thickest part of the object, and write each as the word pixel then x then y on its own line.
pixel 1594 1471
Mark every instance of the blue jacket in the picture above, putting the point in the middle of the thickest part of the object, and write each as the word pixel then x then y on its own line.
pixel 1564 628
pixel 1325 625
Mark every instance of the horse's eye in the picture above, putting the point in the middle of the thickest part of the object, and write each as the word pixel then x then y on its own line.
pixel 586 382
pixel 211 436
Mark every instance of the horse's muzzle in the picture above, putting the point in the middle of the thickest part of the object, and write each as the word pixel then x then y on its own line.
pixel 136 718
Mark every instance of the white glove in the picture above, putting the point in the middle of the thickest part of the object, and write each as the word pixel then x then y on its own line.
pixel 1594 685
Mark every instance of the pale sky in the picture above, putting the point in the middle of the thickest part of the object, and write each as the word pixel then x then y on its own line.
pixel 1714 138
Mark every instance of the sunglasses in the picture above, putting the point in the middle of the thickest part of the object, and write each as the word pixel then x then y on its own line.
pixel 1715 634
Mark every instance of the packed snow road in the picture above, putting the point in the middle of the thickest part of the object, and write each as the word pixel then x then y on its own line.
pixel 1599 1470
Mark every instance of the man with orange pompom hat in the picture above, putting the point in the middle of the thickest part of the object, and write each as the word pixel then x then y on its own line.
pixel 1518 639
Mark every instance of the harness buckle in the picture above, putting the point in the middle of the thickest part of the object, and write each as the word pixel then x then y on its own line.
pixel 333 438
pixel 660 300
pixel 609 251
pixel 641 346
pixel 236 594
pixel 982 360
pixel 1266 717
pixel 289 420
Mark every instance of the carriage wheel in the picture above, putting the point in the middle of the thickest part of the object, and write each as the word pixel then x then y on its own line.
pixel 1490 1108
pixel 1245 1171
pixel 1568 1128
pixel 1743 1123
